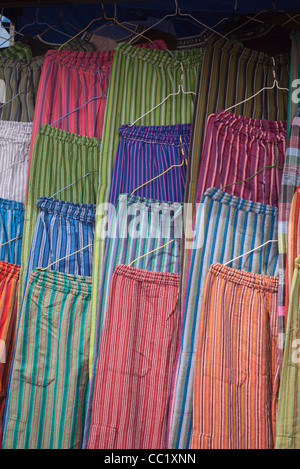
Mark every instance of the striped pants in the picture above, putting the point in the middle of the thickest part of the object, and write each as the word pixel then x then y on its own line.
pixel 15 139
pixel 9 280
pixel 226 227
pixel 237 367
pixel 138 226
pixel 145 152
pixel 137 350
pixel 11 227
pixel 63 228
pixel 49 379
pixel 289 184
pixel 288 422
pixel 72 157
pixel 140 79
pixel 237 147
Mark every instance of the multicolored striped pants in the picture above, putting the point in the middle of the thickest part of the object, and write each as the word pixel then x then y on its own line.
pixel 63 228
pixel 237 367
pixel 235 149
pixel 59 159
pixel 290 182
pixel 137 350
pixel 146 152
pixel 137 230
pixel 288 422
pixel 141 79
pixel 11 228
pixel 48 389
pixel 15 139
pixel 9 280
pixel 226 227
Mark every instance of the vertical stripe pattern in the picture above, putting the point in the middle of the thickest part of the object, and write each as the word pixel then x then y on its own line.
pixel 288 423
pixel 49 379
pixel 61 229
pixel 294 75
pixel 236 368
pixel 9 280
pixel 146 152
pixel 138 349
pixel 141 79
pixel 290 182
pixel 15 139
pixel 138 226
pixel 59 159
pixel 11 227
pixel 237 147
pixel 226 227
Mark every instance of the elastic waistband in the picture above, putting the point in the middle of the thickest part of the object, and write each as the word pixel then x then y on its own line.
pixel 17 132
pixel 163 134
pixel 230 47
pixel 82 212
pixel 248 279
pixel 269 131
pixel 241 204
pixel 150 205
pixel 66 283
pixel 17 63
pixel 189 58
pixel 11 205
pixel 147 276
pixel 69 137
pixel 85 60
pixel 9 269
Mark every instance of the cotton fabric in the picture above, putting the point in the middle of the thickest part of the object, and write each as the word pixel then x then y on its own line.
pixel 63 228
pixel 138 349
pixel 235 149
pixel 49 379
pixel 145 152
pixel 226 227
pixel 9 279
pixel 237 365
pixel 15 139
pixel 11 228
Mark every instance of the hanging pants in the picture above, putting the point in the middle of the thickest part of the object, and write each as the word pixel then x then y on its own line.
pixel 138 229
pixel 236 379
pixel 145 152
pixel 288 422
pixel 11 227
pixel 289 184
pixel 59 159
pixel 62 228
pixel 237 147
pixel 141 79
pixel 49 379
pixel 9 279
pixel 226 227
pixel 15 139
pixel 138 349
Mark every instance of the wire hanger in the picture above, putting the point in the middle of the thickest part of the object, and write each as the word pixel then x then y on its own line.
pixel 248 252
pixel 18 162
pixel 82 105
pixel 69 255
pixel 179 13
pixel 150 252
pixel 180 90
pixel 184 160
pixel 58 192
pixel 10 241
pixel 275 84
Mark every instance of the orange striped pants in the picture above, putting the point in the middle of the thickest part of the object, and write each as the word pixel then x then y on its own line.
pixel 237 368
pixel 9 281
